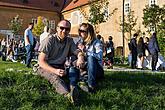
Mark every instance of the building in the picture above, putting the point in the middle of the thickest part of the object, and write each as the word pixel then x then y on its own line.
pixel 73 12
pixel 28 11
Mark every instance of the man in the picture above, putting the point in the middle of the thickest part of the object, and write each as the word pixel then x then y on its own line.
pixel 53 52
pixel 44 34
pixel 29 43
pixel 153 49
pixel 133 49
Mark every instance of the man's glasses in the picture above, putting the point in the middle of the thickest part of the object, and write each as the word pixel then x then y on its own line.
pixel 62 28
pixel 83 31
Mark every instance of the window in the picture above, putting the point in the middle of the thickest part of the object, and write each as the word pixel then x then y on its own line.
pixel 52 24
pixel 34 20
pixel 106 11
pixel 81 19
pixel 76 18
pixel 152 2
pixel 127 7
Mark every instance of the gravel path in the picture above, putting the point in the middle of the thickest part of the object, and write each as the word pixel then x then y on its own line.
pixel 115 68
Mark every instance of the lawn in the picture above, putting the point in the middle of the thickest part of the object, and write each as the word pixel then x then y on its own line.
pixel 21 89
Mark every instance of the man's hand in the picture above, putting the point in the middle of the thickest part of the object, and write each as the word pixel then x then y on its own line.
pixel 80 61
pixel 81 47
pixel 60 72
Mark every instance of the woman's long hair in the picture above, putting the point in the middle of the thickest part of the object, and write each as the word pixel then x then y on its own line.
pixel 141 43
pixel 90 33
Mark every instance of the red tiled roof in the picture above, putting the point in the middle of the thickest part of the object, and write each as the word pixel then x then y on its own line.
pixel 47 5
pixel 75 4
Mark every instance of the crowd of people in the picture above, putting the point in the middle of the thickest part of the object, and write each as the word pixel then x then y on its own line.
pixel 11 49
pixel 18 49
pixel 145 53
pixel 68 64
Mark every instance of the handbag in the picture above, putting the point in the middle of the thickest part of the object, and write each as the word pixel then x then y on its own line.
pixel 109 50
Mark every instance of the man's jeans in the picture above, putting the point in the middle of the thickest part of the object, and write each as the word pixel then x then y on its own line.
pixel 58 82
pixel 154 60
pixel 29 49
pixel 95 70
pixel 134 60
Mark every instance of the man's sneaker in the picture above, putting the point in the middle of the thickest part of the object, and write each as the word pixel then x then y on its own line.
pixel 73 96
pixel 83 86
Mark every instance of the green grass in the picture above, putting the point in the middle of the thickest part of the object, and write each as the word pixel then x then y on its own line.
pixel 20 89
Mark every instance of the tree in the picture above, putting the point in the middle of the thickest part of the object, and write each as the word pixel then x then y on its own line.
pixel 129 23
pixel 154 16
pixel 15 25
pixel 98 12
pixel 161 32
pixel 39 27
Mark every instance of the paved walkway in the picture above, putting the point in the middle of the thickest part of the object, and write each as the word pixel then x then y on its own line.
pixel 116 68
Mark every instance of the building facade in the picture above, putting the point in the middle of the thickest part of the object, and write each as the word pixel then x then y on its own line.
pixel 73 12
pixel 28 11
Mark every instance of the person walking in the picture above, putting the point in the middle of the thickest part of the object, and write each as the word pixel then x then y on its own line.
pixel 133 48
pixel 29 44
pixel 52 57
pixel 154 50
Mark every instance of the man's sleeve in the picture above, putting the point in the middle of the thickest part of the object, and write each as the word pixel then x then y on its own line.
pixel 73 48
pixel 45 46
pixel 26 33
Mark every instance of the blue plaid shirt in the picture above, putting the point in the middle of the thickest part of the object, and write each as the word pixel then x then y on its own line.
pixel 96 50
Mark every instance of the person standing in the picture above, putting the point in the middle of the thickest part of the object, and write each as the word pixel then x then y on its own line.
pixel 141 51
pixel 154 50
pixel 147 53
pixel 133 48
pixel 45 33
pixel 4 49
pixel 110 52
pixel 29 43
pixel 52 59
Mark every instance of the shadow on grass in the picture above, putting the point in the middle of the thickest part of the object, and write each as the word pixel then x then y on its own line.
pixel 119 90
pixel 126 90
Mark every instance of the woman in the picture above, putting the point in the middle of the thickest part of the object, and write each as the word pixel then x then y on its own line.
pixel 146 47
pixel 141 51
pixel 110 52
pixel 94 54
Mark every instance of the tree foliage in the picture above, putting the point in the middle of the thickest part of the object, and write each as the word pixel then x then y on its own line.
pixel 39 27
pixel 129 23
pixel 154 16
pixel 98 11
pixel 15 25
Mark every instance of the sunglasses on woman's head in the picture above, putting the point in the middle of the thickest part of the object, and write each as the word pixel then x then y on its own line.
pixel 83 31
pixel 66 28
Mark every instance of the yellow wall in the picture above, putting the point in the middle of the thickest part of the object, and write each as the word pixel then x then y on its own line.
pixel 111 27
pixel 26 14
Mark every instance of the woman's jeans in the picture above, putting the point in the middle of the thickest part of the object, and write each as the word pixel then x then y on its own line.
pixel 95 70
